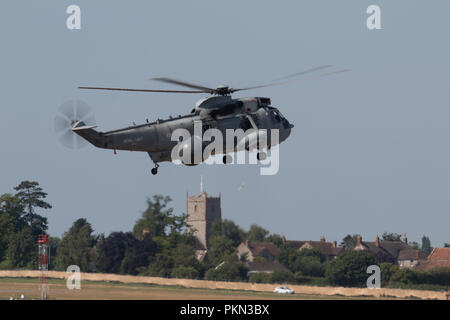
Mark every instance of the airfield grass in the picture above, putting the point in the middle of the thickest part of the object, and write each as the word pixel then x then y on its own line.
pixel 102 290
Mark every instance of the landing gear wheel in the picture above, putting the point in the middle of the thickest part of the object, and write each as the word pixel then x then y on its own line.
pixel 155 169
pixel 261 156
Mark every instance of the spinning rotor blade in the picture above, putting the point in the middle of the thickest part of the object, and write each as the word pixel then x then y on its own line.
pixel 289 81
pixel 69 113
pixel 224 90
pixel 143 90
pixel 185 84
pixel 303 72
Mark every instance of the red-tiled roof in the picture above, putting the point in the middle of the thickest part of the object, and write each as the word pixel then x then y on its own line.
pixel 440 254
pixel 426 265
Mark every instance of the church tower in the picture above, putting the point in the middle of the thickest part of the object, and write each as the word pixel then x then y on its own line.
pixel 201 212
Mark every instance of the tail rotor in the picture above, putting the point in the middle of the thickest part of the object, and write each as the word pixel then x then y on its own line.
pixel 70 114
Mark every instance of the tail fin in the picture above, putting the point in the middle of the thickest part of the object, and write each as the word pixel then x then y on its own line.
pixel 88 133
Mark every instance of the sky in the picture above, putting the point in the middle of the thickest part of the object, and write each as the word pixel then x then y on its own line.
pixel 369 153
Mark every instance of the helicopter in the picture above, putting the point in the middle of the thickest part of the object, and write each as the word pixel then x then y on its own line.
pixel 219 111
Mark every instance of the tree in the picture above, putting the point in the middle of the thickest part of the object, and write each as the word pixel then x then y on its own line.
pixel 349 269
pixel 228 229
pixel 22 250
pixel 220 249
pixel 387 271
pixel 446 245
pixel 10 220
pixel 228 271
pixel 257 233
pixel 112 250
pixel 276 239
pixel 391 236
pixel 160 266
pixel 414 245
pixel 184 272
pixel 157 219
pixel 426 245
pixel 75 246
pixel 260 277
pixel 307 262
pixel 349 242
pixel 308 266
pixel 31 196
pixel 281 277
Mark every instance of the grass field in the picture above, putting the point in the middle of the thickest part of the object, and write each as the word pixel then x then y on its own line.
pixel 92 290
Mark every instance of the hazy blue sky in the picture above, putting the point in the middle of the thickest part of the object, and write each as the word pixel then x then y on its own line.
pixel 370 151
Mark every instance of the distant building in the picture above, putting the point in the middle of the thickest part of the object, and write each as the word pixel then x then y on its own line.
pixel 438 258
pixel 396 252
pixel 410 258
pixel 202 211
pixel 252 249
pixel 329 249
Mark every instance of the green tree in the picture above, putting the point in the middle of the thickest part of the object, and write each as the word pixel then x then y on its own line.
pixel 414 245
pixel 158 219
pixel 276 239
pixel 426 245
pixel 10 221
pixel 220 249
pixel 349 242
pixel 161 265
pixel 31 196
pixel 228 271
pixel 53 249
pixel 308 266
pixel 228 229
pixel 257 233
pixel 22 250
pixel 137 255
pixel 446 245
pixel 75 247
pixel 407 276
pixel 349 269
pixel 260 277
pixel 281 277
pixel 391 236
pixel 387 271
pixel 185 272
pixel 307 262
pixel 112 250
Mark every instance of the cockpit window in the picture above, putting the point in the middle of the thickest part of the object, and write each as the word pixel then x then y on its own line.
pixel 277 115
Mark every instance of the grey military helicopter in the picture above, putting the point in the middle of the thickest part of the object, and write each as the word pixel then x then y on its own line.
pixel 219 111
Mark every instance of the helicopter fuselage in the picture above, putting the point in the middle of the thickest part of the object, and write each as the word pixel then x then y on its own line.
pixel 217 112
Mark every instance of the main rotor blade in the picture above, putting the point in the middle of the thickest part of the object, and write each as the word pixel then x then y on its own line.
pixel 303 72
pixel 184 84
pixel 145 90
pixel 289 81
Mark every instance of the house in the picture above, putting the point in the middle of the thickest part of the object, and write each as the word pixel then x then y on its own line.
pixel 438 258
pixel 329 249
pixel 410 258
pixel 395 252
pixel 252 249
